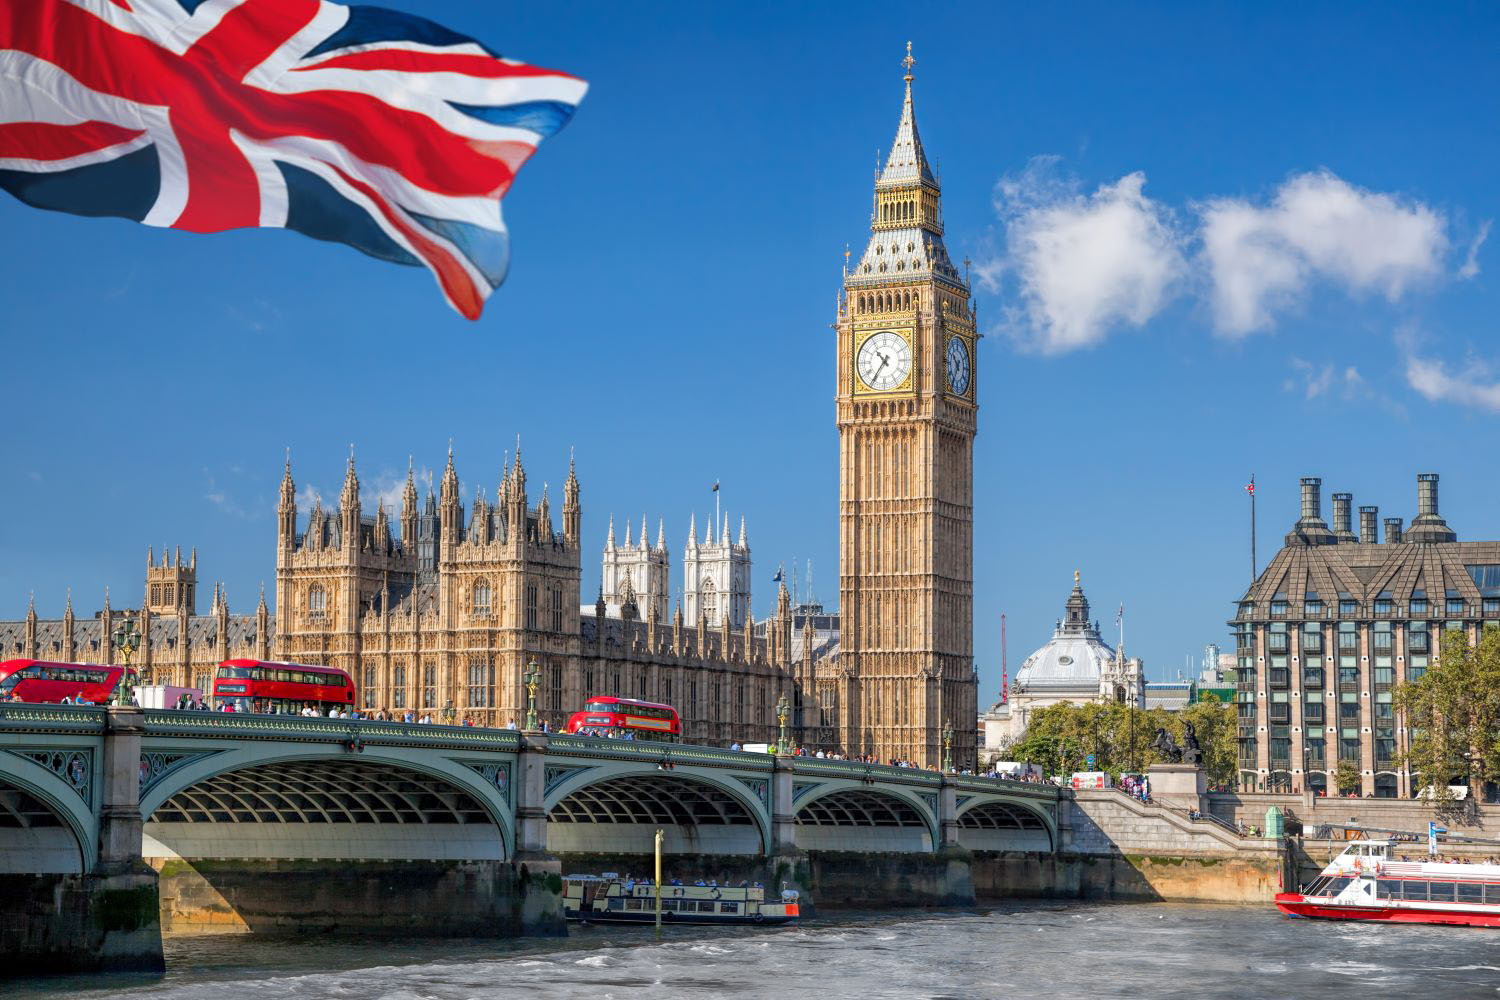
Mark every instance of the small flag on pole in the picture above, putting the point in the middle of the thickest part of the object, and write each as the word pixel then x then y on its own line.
pixel 1120 615
pixel 1250 486
pixel 778 576
pixel 715 487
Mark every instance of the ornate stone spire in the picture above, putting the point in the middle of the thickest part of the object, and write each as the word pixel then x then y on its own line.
pixel 643 533
pixel 743 543
pixel 350 495
pixel 609 542
pixel 288 488
pixel 906 225
pixel 692 542
pixel 661 534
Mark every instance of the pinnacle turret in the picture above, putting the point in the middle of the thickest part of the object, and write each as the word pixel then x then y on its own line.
pixel 643 533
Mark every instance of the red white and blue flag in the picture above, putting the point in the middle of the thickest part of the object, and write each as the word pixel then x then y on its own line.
pixel 354 124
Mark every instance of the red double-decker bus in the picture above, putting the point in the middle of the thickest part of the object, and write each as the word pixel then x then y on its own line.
pixel 645 720
pixel 280 688
pixel 41 681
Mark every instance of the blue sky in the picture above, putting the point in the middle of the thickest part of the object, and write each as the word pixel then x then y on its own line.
pixel 1208 242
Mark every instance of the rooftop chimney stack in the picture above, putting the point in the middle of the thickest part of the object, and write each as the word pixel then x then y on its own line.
pixel 1312 503
pixel 1369 525
pixel 1428 525
pixel 1393 531
pixel 1343 521
pixel 1310 529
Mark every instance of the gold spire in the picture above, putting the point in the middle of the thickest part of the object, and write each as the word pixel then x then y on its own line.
pixel 908 62
pixel 1075 578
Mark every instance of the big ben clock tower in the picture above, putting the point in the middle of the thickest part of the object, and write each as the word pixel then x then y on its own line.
pixel 907 402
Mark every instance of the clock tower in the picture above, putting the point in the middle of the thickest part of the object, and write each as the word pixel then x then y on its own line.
pixel 907 402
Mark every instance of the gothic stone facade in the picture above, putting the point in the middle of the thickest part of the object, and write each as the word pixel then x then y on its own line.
pixel 501 594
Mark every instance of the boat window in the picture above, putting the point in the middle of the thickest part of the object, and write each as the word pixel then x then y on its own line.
pixel 1387 889
pixel 1338 885
pixel 729 907
pixel 1470 892
pixel 1416 890
pixel 1441 891
pixel 1492 893
pixel 1318 885
pixel 616 903
pixel 632 903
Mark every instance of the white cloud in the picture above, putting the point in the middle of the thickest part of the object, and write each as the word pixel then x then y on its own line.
pixel 1475 384
pixel 1317 380
pixel 1084 264
pixel 1260 259
pixel 1470 266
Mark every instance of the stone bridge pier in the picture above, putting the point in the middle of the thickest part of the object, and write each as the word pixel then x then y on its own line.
pixel 101 913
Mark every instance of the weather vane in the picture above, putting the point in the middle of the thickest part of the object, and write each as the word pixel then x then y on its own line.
pixel 908 62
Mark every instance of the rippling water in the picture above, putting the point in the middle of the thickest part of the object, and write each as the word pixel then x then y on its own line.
pixel 1053 950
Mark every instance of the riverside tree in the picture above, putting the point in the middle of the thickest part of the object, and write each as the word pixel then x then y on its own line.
pixel 1453 714
pixel 1060 737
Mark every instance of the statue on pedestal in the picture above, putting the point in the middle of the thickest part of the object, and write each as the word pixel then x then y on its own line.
pixel 1167 747
pixel 1192 753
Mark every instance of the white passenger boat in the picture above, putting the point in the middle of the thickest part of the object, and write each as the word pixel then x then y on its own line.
pixel 1369 881
pixel 608 898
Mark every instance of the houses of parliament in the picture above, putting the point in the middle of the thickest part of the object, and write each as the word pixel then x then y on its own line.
pixel 441 607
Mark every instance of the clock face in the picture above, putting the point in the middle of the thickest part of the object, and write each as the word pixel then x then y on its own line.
pixel 958 366
pixel 884 360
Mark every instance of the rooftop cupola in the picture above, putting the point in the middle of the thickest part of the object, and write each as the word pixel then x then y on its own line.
pixel 1369 525
pixel 1077 608
pixel 1428 525
pixel 1310 528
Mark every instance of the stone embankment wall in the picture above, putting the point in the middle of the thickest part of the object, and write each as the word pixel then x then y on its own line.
pixel 1411 815
pixel 1115 847
pixel 365 898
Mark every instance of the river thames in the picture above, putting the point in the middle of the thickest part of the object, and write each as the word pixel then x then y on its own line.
pixel 1053 950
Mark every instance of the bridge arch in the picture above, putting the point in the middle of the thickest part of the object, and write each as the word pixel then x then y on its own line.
pixel 853 816
pixel 616 809
pixel 321 801
pixel 1002 825
pixel 45 825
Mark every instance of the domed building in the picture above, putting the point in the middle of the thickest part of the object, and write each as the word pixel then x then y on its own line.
pixel 1075 665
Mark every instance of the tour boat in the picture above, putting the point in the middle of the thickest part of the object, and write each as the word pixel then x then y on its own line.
pixel 1366 882
pixel 610 898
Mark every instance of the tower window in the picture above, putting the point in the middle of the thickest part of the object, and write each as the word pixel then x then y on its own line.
pixel 317 603
pixel 710 602
pixel 398 686
pixel 531 605
pixel 482 598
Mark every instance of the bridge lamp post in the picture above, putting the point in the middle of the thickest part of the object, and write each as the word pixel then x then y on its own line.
pixel 782 710
pixel 449 713
pixel 532 676
pixel 948 746
pixel 127 640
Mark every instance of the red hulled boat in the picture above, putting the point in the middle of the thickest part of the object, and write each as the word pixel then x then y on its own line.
pixel 1365 882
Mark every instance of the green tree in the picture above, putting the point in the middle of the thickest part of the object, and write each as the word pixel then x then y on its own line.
pixel 1060 737
pixel 1453 713
pixel 1346 776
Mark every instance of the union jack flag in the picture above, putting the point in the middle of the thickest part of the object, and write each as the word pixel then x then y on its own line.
pixel 358 125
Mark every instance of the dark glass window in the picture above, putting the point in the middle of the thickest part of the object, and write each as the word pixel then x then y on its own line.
pixel 1419 605
pixel 1455 607
pixel 1440 891
pixel 1312 677
pixel 1347 608
pixel 1470 892
pixel 1278 609
pixel 1414 890
pixel 1276 642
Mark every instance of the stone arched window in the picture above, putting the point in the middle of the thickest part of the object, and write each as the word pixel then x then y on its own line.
pixel 317 602
pixel 710 600
pixel 482 597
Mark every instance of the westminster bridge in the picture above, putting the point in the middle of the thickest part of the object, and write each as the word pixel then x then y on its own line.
pixel 238 819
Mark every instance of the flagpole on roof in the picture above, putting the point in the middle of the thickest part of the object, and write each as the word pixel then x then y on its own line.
pixel 1253 563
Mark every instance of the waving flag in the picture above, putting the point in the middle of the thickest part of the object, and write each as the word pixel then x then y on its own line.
pixel 358 125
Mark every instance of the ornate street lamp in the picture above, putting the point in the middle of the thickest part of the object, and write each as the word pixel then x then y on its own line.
pixel 532 676
pixel 127 640
pixel 948 746
pixel 783 708
pixel 450 714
